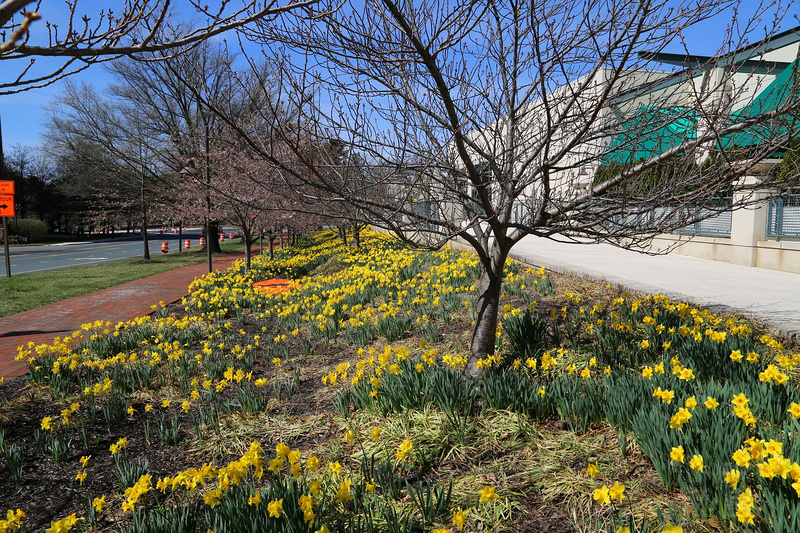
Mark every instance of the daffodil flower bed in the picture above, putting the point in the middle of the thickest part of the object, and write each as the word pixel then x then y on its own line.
pixel 356 377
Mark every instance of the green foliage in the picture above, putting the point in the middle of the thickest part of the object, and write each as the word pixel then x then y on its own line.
pixel 173 519
pixel 285 385
pixel 626 393
pixel 509 389
pixel 168 430
pixel 650 430
pixel 527 335
pixel 431 502
pixel 59 447
pixel 412 388
pixel 394 327
pixel 15 461
pixel 233 513
pixel 385 475
pixel 32 229
pixel 129 470
pixel 644 183
pixel 790 165
pixel 128 378
pixel 580 402
pixel 253 399
pixel 114 408
pixel 710 359
pixel 617 349
pixel 780 506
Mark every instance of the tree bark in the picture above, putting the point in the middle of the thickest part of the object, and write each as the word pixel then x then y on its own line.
pixel 271 238
pixel 212 237
pixel 247 238
pixel 484 333
pixel 356 235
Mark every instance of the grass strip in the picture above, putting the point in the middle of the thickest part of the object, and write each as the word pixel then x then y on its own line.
pixel 28 291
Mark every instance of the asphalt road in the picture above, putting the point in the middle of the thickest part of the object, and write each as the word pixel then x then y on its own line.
pixel 29 259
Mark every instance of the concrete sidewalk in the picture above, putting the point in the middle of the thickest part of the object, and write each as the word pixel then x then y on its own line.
pixel 769 295
pixel 115 304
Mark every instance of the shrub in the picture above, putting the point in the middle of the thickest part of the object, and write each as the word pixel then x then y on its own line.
pixel 30 228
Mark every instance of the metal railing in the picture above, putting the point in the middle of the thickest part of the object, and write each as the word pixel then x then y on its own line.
pixel 714 221
pixel 783 217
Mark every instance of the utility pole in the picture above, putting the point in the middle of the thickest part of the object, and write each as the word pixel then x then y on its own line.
pixel 145 241
pixel 208 199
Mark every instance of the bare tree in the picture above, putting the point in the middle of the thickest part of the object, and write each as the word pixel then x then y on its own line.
pixel 34 176
pixel 135 28
pixel 488 120
pixel 175 115
pixel 111 138
pixel 154 127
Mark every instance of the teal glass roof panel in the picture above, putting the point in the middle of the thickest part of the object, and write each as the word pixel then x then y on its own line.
pixel 651 131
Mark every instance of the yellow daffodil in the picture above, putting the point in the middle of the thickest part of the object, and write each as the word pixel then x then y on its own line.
pixel 616 492
pixel 98 503
pixel 677 454
pixel 487 494
pixel 255 499
pixel 344 494
pixel 274 508
pixel 459 519
pixel 602 495
pixel 696 463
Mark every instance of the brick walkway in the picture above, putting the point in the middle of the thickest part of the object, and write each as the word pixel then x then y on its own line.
pixel 114 304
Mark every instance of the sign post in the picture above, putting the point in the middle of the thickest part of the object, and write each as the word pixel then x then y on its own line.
pixel 6 188
pixel 6 210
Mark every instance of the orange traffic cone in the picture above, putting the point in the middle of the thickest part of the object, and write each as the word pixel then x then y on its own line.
pixel 164 247
pixel 187 244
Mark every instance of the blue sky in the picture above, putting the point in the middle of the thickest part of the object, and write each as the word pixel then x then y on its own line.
pixel 24 115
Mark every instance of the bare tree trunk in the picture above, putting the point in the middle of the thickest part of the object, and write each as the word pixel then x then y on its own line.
pixel 247 239
pixel 484 332
pixel 212 237
pixel 343 234
pixel 271 238
pixel 356 235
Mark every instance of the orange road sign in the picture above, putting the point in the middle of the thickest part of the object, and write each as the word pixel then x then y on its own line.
pixel 6 206
pixel 6 187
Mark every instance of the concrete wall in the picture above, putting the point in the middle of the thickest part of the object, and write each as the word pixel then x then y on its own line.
pixel 783 255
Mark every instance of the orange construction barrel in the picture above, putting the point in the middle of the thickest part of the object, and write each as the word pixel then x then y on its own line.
pixel 221 237
pixel 164 247
pixel 202 241
pixel 187 244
